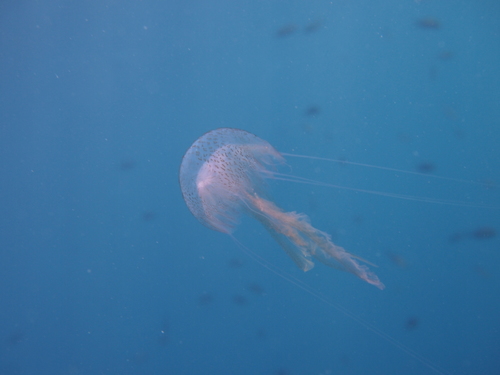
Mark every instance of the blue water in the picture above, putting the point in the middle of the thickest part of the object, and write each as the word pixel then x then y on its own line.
pixel 103 270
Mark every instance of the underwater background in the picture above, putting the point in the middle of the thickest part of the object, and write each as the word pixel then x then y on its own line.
pixel 103 269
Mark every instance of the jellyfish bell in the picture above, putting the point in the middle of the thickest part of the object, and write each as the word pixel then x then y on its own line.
pixel 222 177
pixel 221 171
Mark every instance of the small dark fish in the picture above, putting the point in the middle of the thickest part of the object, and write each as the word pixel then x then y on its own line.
pixel 148 216
pixel 345 360
pixel 127 165
pixel 358 219
pixel 481 233
pixel 342 160
pixel 458 133
pixel 15 337
pixel 489 184
pixel 397 259
pixel 484 233
pixel 312 27
pixel 404 138
pixel 10 367
pixel 445 55
pixel 429 23
pixel 450 113
pixel 256 288
pixel 261 333
pixel 455 237
pixel 205 299
pixel 286 30
pixel 426 167
pixel 308 128
pixel 412 323
pixel 313 110
pixel 481 271
pixel 140 357
pixel 235 263
pixel 239 300
pixel 433 73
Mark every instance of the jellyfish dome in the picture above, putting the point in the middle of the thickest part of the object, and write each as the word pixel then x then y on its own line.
pixel 221 171
pixel 222 177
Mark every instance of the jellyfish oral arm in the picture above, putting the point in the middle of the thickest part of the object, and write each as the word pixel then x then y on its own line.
pixel 335 256
pixel 301 241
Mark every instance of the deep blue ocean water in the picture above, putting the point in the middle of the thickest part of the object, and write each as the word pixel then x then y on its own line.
pixel 103 269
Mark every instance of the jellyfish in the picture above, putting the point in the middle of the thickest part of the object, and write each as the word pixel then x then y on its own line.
pixel 222 177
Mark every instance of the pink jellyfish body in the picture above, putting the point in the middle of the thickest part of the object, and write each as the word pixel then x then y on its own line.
pixel 222 177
